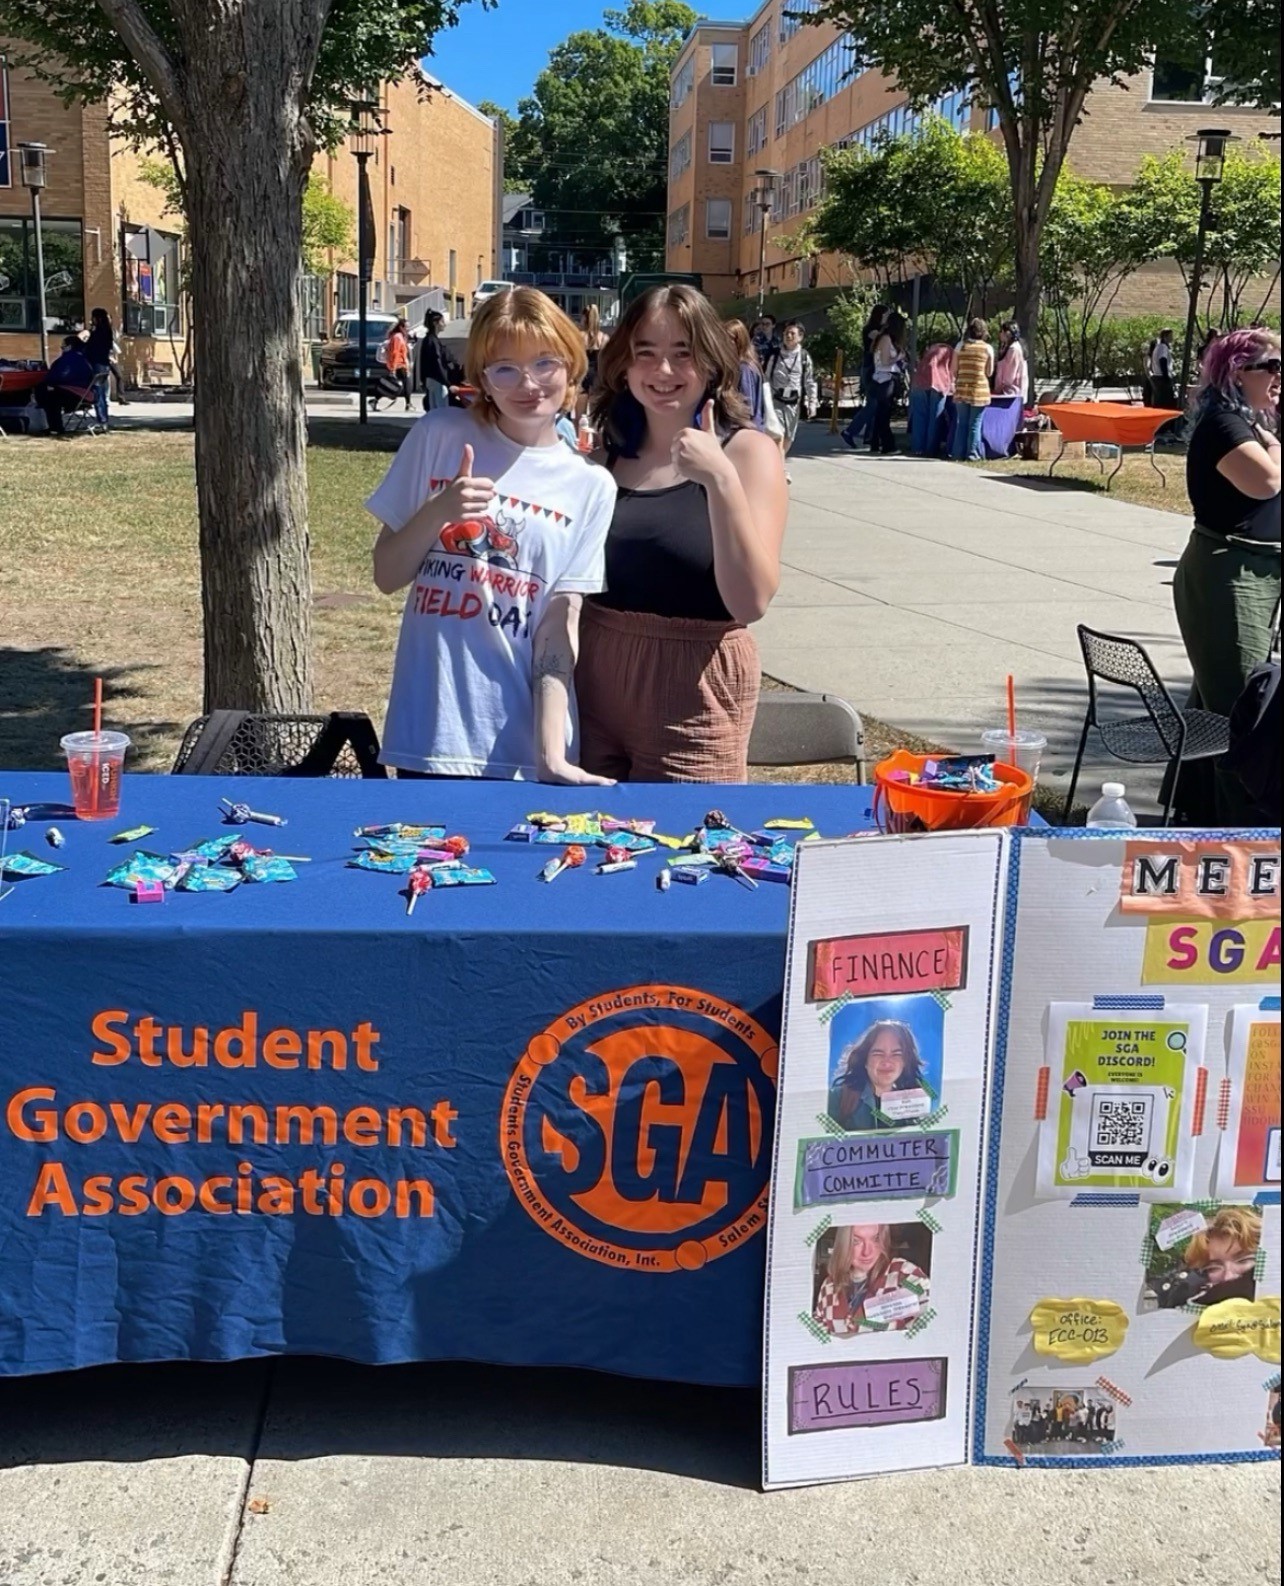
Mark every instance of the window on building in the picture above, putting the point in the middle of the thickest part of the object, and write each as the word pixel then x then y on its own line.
pixel 717 219
pixel 347 291
pixel 722 142
pixel 724 65
pixel 760 49
pixel 756 132
pixel 680 226
pixel 816 84
pixel 64 275
pixel 751 214
pixel 314 318
pixel 1186 82
pixel 6 179
pixel 153 286
pixel 683 82
pixel 454 270
pixel 792 15
pixel 680 158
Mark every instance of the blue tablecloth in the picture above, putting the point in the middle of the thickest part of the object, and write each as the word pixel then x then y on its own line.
pixel 530 1124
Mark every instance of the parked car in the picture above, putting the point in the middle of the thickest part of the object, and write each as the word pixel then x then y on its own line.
pixel 340 363
pixel 489 289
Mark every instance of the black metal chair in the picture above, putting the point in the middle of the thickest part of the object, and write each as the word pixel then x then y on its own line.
pixel 1165 735
pixel 83 418
pixel 806 729
pixel 236 743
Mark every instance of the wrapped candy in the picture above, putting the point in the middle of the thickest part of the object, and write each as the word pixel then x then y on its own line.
pixel 135 834
pixel 458 846
pixel 142 866
pixel 25 864
pixel 268 867
pixel 460 876
pixel 400 863
pixel 214 848
pixel 208 878
pixel 398 831
pixel 572 859
pixel 418 882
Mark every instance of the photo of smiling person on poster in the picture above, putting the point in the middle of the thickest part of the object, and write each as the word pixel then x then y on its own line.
pixel 885 1062
pixel 872 1277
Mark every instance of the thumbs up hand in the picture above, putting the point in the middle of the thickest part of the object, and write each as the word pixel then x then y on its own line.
pixel 698 454
pixel 467 496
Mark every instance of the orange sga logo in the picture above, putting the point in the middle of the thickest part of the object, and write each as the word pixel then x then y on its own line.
pixel 636 1128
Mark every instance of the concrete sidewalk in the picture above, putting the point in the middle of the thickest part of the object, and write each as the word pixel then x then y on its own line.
pixel 913 588
pixel 315 1473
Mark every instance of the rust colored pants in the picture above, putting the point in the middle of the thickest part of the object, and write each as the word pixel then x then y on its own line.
pixel 664 699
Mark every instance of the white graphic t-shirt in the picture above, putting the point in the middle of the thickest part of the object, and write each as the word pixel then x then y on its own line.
pixel 461 702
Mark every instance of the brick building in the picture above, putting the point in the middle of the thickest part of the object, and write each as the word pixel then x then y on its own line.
pixel 771 93
pixel 436 185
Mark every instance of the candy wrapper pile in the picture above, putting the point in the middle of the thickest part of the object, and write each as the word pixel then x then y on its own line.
pixel 716 847
pixel 960 773
pixel 419 852
pixel 217 864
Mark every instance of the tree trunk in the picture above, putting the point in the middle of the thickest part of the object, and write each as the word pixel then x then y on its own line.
pixel 247 155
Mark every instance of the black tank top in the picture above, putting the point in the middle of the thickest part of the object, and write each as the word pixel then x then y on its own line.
pixel 659 555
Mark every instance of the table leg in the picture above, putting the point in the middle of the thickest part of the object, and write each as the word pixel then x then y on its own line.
pixel 1150 452
pixel 1117 467
pixel 1058 457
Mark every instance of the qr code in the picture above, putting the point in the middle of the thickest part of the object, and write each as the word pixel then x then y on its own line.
pixel 1121 1125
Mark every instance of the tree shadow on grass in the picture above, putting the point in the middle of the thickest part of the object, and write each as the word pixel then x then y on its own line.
pixel 48 691
pixel 342 435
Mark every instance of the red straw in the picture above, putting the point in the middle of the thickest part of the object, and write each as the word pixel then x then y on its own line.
pixel 1011 707
pixel 98 727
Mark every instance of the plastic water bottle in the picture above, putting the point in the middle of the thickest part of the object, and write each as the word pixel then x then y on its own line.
pixel 585 439
pixel 1111 810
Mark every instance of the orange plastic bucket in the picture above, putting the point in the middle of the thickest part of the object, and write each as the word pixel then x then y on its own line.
pixel 900 807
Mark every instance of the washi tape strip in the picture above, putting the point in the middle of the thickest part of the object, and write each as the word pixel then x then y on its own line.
pixel 828 1124
pixel 928 1221
pixel 1267 1198
pixel 831 1009
pixel 1269 1005
pixel 1259 1265
pixel 813 1327
pixel 933 1118
pixel 1113 1448
pixel 1206 1206
pixel 1102 1198
pixel 1016 1451
pixel 1115 1391
pixel 1041 1094
pixel 1223 1104
pixel 818 1231
pixel 1137 1002
pixel 1201 1096
pixel 1148 1250
pixel 1271 1384
pixel 918 1326
pixel 943 999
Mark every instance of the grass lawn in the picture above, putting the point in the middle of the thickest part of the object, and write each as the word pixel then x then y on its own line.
pixel 99 575
pixel 1137 480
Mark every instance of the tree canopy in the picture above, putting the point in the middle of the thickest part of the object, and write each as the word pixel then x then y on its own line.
pixel 594 134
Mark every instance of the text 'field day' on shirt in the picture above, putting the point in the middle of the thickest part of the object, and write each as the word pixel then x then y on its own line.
pixel 461 700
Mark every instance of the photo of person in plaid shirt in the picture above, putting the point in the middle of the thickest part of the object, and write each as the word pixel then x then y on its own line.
pixel 870 1281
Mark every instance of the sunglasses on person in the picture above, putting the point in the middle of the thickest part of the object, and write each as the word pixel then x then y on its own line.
pixel 511 376
pixel 1264 366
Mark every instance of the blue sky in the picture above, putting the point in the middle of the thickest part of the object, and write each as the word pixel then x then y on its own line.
pixel 499 54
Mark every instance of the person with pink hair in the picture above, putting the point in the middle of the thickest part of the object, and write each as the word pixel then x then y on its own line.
pixel 1227 584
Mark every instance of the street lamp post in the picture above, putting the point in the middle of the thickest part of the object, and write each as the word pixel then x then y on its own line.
pixel 364 129
pixel 31 162
pixel 765 197
pixel 1210 161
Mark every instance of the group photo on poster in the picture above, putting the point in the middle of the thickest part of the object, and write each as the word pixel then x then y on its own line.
pixel 1065 1421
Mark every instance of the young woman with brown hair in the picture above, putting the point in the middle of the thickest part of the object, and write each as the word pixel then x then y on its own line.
pixel 668 676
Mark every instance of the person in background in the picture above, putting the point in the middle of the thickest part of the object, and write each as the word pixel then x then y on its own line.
pixel 438 371
pixel 1227 585
pixel 752 385
pixel 859 425
pixel 396 358
pixel 668 678
pixel 1162 394
pixel 101 351
pixel 888 368
pixel 595 338
pixel 792 379
pixel 1011 371
pixel 1207 340
pixel 972 365
pixel 766 339
pixel 932 384
pixel 496 533
pixel 69 381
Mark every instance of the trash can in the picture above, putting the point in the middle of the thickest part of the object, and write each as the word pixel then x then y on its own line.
pixel 315 349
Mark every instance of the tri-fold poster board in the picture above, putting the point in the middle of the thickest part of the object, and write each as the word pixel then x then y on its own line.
pixel 1025 1209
